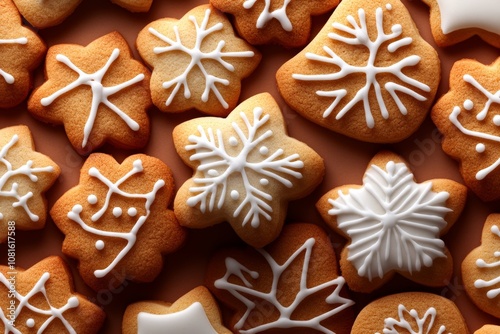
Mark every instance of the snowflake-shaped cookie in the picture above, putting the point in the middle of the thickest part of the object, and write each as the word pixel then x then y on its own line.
pixel 24 177
pixel 394 224
pixel 368 74
pixel 99 92
pixel 246 169
pixel 21 51
pixel 44 301
pixel 197 62
pixel 116 220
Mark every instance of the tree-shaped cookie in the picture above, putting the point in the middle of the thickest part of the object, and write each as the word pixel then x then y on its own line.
pixel 24 177
pixel 285 22
pixel 116 220
pixel 246 169
pixel 46 13
pixel 98 92
pixel 195 312
pixel 198 62
pixel 468 117
pixel 21 51
pixel 368 74
pixel 291 286
pixel 41 299
pixel 393 225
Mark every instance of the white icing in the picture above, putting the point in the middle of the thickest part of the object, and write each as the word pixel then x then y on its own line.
pixel 26 170
pixel 114 189
pixel 248 296
pixel 464 14
pixel 198 57
pixel 100 94
pixel 21 41
pixel 218 166
pixel 267 15
pixel 23 303
pixel 393 222
pixel 481 283
pixel 192 320
pixel 361 37
pixel 424 325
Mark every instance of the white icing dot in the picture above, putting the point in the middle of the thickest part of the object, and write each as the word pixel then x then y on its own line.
pixel 30 323
pixel 480 148
pixel 388 6
pixel 397 28
pixel 92 199
pixel 1 215
pixel 212 172
pixel 468 104
pixel 233 141
pixel 264 182
pixel 99 245
pixel 235 194
pixel 117 212
pixel 132 212
pixel 264 150
pixel 496 120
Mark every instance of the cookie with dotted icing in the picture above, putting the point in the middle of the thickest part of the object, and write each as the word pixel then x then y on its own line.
pixel 116 221
pixel 99 92
pixel 488 329
pixel 467 116
pixel 245 170
pixel 393 225
pixel 195 312
pixel 198 61
pixel 134 6
pixel 287 22
pixel 46 13
pixel 21 51
pixel 25 176
pixel 41 299
pixel 410 312
pixel 368 74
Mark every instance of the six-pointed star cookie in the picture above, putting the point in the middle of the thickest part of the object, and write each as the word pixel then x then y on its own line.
pixel 393 225
pixel 246 169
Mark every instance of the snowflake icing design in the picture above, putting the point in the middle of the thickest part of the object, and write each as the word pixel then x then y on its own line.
pixel 100 93
pixel 266 15
pixel 393 222
pixel 26 170
pixel 361 37
pixel 217 165
pixel 245 292
pixel 114 188
pixel 23 302
pixel 424 325
pixel 481 263
pixel 197 59
pixel 469 105
pixel 21 41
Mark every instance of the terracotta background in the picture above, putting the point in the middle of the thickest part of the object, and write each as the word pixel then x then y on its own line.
pixel 345 159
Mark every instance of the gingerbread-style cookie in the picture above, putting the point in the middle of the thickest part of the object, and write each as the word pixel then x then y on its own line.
pixel 99 92
pixel 368 74
pixel 46 13
pixel 393 225
pixel 246 169
pixel 198 62
pixel 134 5
pixel 24 177
pixel 195 312
pixel 488 329
pixel 41 299
pixel 116 220
pixel 285 22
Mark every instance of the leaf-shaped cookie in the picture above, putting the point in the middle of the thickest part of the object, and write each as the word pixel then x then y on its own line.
pixel 393 224
pixel 291 286
pixel 198 62
pixel 367 74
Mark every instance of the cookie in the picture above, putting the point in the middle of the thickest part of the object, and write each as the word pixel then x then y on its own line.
pixel 98 92
pixel 25 175
pixel 368 74
pixel 453 22
pixel 287 22
pixel 488 329
pixel 467 116
pixel 116 221
pixel 290 286
pixel 21 51
pixel 41 299
pixel 195 312
pixel 245 170
pixel 134 6
pixel 393 225
pixel 410 312
pixel 47 13
pixel 197 61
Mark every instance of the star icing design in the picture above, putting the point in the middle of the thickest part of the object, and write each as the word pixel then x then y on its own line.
pixel 112 105
pixel 45 301
pixel 246 169
pixel 393 224
pixel 116 213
